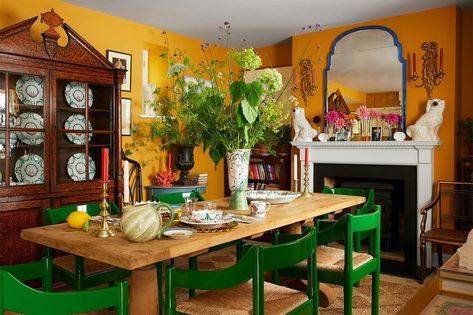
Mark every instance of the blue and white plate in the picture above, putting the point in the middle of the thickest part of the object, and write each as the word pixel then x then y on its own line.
pixel 29 169
pixel 76 167
pixel 32 121
pixel 77 122
pixel 75 94
pixel 30 90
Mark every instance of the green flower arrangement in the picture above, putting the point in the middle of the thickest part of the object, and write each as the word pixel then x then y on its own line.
pixel 229 112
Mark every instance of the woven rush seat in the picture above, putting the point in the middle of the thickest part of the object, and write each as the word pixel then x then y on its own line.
pixel 91 266
pixel 331 258
pixel 239 300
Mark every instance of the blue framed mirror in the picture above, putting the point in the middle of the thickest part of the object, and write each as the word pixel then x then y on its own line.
pixel 365 66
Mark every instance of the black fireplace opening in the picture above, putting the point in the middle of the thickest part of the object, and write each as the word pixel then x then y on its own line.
pixel 396 191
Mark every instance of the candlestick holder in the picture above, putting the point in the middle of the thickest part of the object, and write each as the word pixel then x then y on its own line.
pixel 104 230
pixel 306 192
pixel 296 185
pixel 430 76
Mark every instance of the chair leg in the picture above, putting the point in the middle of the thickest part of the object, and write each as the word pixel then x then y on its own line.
pixel 159 274
pixel 375 293
pixel 423 257
pixel 439 254
pixel 192 266
pixel 347 298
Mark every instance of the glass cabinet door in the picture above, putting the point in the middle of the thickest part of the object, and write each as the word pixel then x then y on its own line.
pixel 22 129
pixel 84 125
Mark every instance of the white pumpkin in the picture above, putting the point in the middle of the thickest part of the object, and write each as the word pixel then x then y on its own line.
pixel 142 223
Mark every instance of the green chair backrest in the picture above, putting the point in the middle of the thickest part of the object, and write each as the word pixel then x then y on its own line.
pixel 59 215
pixel 175 198
pixel 18 297
pixel 252 265
pixel 345 228
pixel 367 193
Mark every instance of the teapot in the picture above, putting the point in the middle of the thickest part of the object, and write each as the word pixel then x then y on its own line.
pixel 143 222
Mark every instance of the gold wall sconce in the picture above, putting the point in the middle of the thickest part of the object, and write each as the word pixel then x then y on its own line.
pixel 307 82
pixel 431 75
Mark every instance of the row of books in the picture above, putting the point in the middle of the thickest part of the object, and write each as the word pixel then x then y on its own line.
pixel 263 171
pixel 199 178
pixel 263 186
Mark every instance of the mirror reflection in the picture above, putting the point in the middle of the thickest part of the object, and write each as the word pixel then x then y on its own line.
pixel 365 68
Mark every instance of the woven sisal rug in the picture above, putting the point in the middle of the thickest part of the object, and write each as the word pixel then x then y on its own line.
pixel 394 291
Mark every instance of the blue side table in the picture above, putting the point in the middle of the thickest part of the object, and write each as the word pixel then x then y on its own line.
pixel 159 190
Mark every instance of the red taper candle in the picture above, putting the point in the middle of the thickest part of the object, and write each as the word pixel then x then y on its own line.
pixel 414 63
pixel 441 58
pixel 169 161
pixel 105 164
pixel 306 156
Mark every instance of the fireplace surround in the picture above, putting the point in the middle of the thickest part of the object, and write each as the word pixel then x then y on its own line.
pixel 352 160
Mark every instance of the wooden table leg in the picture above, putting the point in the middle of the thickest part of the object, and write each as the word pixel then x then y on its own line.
pixel 326 294
pixel 143 291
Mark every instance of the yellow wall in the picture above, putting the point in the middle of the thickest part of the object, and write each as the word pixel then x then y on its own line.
pixel 438 25
pixel 276 55
pixel 108 32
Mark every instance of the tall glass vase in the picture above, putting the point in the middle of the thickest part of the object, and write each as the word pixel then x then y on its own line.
pixel 238 165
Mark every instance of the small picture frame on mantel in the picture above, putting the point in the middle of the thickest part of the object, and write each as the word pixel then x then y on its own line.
pixel 121 61
pixel 376 133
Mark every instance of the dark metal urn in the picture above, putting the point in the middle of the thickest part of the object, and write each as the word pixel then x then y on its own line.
pixel 184 162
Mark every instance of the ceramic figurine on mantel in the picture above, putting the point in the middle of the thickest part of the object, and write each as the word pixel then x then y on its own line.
pixel 427 126
pixel 303 132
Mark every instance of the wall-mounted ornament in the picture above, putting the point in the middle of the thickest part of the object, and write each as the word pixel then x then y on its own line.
pixel 308 85
pixel 431 75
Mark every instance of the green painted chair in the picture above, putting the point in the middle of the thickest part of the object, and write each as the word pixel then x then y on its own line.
pixel 343 266
pixel 178 198
pixel 17 297
pixel 230 291
pixel 366 208
pixel 76 271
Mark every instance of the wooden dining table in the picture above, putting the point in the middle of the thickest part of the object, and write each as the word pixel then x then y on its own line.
pixel 141 257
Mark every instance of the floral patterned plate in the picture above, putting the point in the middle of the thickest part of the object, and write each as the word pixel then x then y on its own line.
pixel 272 196
pixel 29 169
pixel 213 225
pixel 30 90
pixel 75 94
pixel 76 167
pixel 33 121
pixel 76 122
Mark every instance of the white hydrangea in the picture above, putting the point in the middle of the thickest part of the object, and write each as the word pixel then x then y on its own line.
pixel 271 79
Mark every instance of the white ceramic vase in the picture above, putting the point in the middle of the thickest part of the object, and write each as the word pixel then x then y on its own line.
pixel 238 165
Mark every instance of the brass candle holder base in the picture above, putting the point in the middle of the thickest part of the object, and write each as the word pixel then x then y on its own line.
pixel 306 192
pixel 104 230
pixel 296 185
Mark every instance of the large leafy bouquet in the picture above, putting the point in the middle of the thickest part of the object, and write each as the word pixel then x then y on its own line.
pixel 227 111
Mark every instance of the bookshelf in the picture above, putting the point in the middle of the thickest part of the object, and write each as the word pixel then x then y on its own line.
pixel 267 172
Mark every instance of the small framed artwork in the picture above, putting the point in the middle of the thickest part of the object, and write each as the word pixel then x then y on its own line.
pixel 126 116
pixel 376 134
pixel 121 61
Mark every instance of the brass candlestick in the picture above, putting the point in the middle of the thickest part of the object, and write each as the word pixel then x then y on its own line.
pixel 306 192
pixel 104 230
pixel 296 185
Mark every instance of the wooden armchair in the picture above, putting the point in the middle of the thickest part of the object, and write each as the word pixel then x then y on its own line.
pixel 452 219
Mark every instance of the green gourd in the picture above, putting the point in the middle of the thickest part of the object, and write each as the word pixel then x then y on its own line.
pixel 142 223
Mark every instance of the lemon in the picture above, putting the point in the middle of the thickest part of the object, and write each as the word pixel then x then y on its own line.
pixel 77 219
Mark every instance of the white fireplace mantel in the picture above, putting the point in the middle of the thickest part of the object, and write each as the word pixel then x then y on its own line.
pixel 414 153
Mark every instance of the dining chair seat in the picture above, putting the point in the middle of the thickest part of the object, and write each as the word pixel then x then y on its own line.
pixel 91 266
pixel 333 259
pixel 239 300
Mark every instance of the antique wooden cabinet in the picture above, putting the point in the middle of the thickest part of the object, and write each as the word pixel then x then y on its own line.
pixel 43 163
